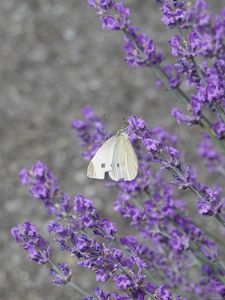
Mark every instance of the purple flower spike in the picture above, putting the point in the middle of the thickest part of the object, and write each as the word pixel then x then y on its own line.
pixel 43 185
pixel 181 118
pixel 194 41
pixel 33 243
pixel 186 49
pixel 173 13
pixel 163 293
pixel 110 23
pixel 176 46
pixel 102 295
pixel 101 4
pixel 122 282
pixel 91 131
pixel 219 128
pixel 61 277
pixel 140 49
pixel 213 160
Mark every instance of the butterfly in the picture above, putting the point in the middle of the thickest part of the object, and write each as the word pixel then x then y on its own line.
pixel 117 157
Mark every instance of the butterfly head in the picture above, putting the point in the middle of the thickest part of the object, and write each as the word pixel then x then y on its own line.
pixel 121 131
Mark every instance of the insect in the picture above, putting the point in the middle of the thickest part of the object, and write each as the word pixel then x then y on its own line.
pixel 117 157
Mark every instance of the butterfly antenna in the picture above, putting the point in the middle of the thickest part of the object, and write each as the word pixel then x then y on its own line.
pixel 105 119
pixel 124 124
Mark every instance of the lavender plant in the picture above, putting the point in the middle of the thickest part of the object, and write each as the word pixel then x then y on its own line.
pixel 168 256
pixel 199 46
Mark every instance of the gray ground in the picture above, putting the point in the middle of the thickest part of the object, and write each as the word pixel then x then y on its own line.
pixel 54 59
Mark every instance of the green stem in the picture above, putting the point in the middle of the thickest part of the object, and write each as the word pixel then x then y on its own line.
pixel 221 170
pixel 214 138
pixel 220 219
pixel 220 112
pixel 127 250
pixel 118 244
pixel 199 71
pixel 180 95
pixel 160 74
pixel 149 276
pixel 215 267
pixel 213 236
pixel 204 123
pixel 193 246
pixel 196 192
pixel 73 285
pixel 163 78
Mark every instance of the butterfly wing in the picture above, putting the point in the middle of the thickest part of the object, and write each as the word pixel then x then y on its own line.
pixel 102 160
pixel 116 172
pixel 124 161
pixel 131 163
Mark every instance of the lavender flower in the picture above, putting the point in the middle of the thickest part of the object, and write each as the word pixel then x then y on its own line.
pixel 92 254
pixel 160 216
pixel 210 203
pixel 200 42
pixel 174 13
pixel 156 144
pixel 187 49
pixel 43 185
pixel 207 80
pixel 197 15
pixel 63 277
pixel 182 118
pixel 103 4
pixel 91 131
pixel 39 251
pixel 78 229
pixel 119 20
pixel 213 160
pixel 32 242
pixel 139 48
pixel 173 74
pixel 157 261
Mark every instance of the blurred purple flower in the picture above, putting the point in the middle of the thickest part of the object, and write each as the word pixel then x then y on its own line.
pixel 174 13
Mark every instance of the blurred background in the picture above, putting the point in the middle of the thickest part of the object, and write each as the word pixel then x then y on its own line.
pixel 54 60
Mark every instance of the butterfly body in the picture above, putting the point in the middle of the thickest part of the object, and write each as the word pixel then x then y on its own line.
pixel 117 157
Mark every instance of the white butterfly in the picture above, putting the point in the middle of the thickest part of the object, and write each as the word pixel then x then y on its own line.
pixel 117 157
